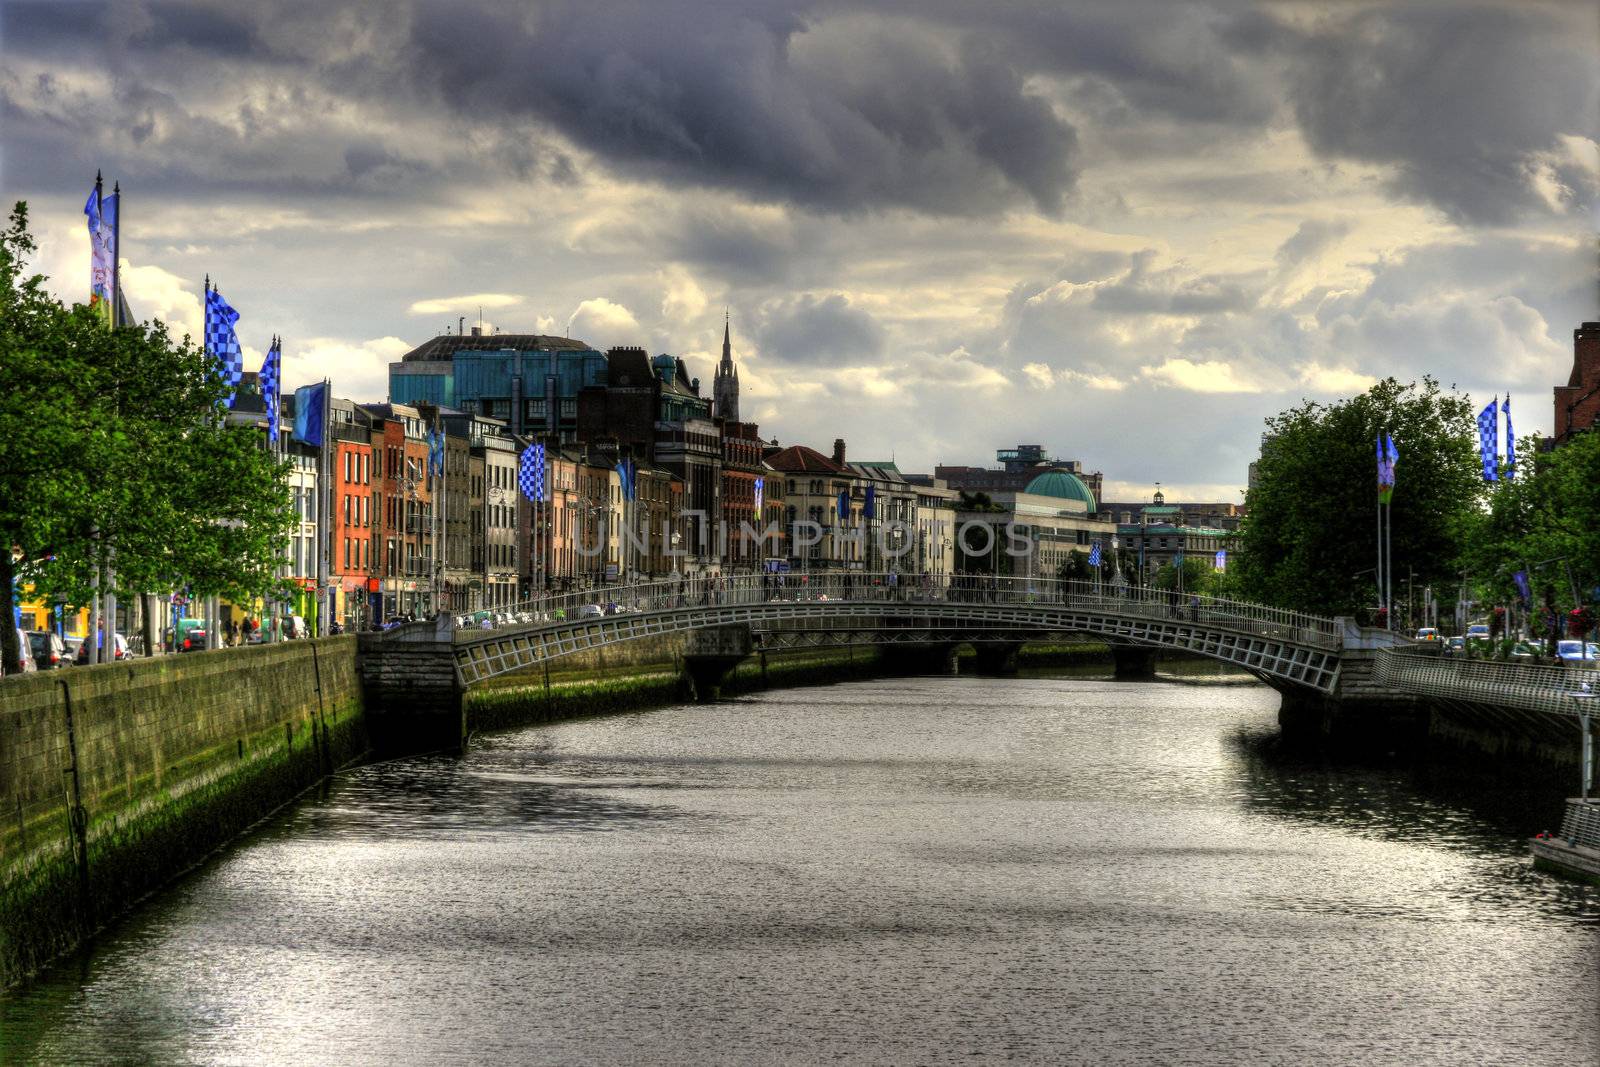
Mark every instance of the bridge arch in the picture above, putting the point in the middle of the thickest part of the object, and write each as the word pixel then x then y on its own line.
pixel 1284 647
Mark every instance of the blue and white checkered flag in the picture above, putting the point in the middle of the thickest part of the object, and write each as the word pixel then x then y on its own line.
pixel 1488 446
pixel 270 379
pixel 1094 555
pixel 222 342
pixel 530 474
pixel 1511 439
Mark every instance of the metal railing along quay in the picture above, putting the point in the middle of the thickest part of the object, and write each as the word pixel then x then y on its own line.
pixel 897 588
pixel 1567 691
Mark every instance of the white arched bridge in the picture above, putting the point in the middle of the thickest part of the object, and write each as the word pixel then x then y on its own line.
pixel 1286 647
pixel 1289 649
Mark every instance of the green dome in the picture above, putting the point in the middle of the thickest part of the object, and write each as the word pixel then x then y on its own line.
pixel 1062 485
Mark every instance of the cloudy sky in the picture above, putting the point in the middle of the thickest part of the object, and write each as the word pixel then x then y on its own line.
pixel 1127 231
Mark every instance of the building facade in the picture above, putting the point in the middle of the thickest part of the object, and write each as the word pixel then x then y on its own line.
pixel 530 381
pixel 1018 466
pixel 1577 404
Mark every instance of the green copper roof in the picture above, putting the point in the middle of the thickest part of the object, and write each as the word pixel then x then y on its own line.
pixel 1062 485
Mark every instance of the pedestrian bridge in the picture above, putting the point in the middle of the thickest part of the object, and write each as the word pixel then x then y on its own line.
pixel 1283 646
pixel 1329 670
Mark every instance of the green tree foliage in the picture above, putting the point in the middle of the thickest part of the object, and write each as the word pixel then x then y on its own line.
pixel 116 450
pixel 1198 577
pixel 1549 514
pixel 1310 541
pixel 1076 567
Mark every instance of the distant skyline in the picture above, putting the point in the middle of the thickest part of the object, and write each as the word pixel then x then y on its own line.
pixel 1126 231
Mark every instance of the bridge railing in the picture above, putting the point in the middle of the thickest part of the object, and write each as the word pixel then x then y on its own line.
pixel 1535 687
pixel 847 586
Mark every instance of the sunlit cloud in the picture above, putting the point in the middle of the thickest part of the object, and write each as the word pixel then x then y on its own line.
pixel 469 303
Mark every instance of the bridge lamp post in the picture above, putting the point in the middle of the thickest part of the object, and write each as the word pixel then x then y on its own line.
pixel 1583 702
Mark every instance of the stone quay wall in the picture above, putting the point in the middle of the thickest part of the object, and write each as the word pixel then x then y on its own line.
pixel 114 778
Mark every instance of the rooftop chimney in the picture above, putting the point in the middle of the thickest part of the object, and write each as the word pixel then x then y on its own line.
pixel 477 331
pixel 838 451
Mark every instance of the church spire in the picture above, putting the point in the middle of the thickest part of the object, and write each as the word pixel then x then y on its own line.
pixel 725 388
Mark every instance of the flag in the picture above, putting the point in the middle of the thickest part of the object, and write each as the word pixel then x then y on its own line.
pixel 102 212
pixel 625 474
pixel 1511 439
pixel 844 504
pixel 1488 431
pixel 1094 554
pixel 223 344
pixel 1524 590
pixel 271 375
pixel 870 507
pixel 530 473
pixel 761 486
pixel 1385 488
pixel 1386 460
pixel 310 412
pixel 436 451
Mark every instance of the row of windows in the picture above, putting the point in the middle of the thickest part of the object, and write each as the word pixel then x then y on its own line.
pixel 355 554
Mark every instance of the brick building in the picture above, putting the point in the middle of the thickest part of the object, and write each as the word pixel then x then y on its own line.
pixel 1577 404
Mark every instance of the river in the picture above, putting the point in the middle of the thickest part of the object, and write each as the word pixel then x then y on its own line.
pixel 933 870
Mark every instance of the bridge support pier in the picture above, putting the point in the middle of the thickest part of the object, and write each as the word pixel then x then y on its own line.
pixel 1133 661
pixel 413 695
pixel 997 659
pixel 1361 726
pixel 711 654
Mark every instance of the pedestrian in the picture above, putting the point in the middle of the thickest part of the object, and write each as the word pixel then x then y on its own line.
pixel 1194 609
pixel 233 633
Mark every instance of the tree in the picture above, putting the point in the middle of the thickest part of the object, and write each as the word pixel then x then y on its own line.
pixel 1076 568
pixel 1309 540
pixel 1197 576
pixel 1549 514
pixel 122 457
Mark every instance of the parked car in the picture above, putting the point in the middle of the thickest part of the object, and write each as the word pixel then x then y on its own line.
pixel 49 651
pixel 295 628
pixel 1478 632
pixel 1524 650
pixel 1428 633
pixel 25 652
pixel 119 646
pixel 1576 651
pixel 1455 646
pixel 590 611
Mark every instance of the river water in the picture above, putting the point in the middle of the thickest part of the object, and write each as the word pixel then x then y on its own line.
pixel 935 870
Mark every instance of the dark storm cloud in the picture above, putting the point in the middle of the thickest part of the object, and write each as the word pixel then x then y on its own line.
pixel 823 331
pixel 1135 59
pixel 939 106
pixel 737 97
pixel 1461 99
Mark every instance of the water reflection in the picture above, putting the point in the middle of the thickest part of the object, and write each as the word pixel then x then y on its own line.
pixel 928 870
pixel 1483 817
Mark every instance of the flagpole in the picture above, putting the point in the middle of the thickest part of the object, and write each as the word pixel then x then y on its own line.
pixel 1388 559
pixel 116 260
pixel 1378 570
pixel 324 512
pixel 116 320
